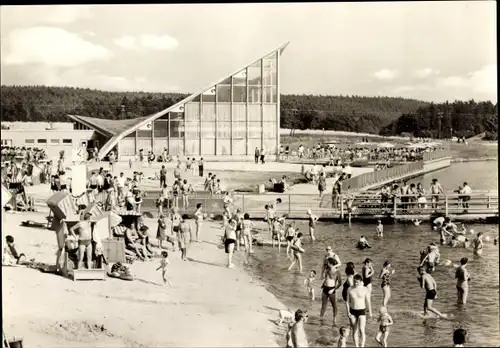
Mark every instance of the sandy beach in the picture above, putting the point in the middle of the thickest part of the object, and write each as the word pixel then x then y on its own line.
pixel 208 304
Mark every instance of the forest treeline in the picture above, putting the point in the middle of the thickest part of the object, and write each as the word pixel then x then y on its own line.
pixel 344 113
pixel 461 119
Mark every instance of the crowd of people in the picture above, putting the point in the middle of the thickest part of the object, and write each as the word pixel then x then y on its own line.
pixel 17 153
pixel 356 290
pixel 351 153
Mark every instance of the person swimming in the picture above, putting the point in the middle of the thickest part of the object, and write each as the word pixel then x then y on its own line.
pixel 363 243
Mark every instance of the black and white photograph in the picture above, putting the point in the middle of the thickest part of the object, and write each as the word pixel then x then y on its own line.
pixel 319 174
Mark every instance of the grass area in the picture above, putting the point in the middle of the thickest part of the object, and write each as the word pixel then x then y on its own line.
pixel 473 150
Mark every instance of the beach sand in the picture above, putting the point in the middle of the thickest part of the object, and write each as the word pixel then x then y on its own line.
pixel 208 304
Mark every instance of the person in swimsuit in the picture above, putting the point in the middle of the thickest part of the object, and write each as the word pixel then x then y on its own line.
pixel 350 272
pixel 380 229
pixel 344 335
pixel 321 184
pixel 383 331
pixel 296 336
pixel 230 241
pixel 463 277
pixel 312 223
pixel 385 275
pixel 199 220
pixel 332 281
pixel 367 272
pixel 435 189
pixel 357 301
pixel 309 283
pixel 84 230
pixel 478 244
pixel 289 235
pixel 176 220
pixel 428 283
pixel 432 258
pixel 183 236
pixel 247 235
pixel 297 251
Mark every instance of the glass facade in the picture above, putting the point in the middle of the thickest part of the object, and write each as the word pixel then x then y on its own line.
pixel 230 118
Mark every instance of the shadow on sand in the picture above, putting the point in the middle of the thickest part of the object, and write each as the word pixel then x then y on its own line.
pixel 207 263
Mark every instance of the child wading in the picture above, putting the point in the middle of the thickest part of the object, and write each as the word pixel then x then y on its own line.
pixel 383 332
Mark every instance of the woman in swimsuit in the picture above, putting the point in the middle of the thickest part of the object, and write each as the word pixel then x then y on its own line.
pixel 350 272
pixel 312 223
pixel 385 275
pixel 247 235
pixel 367 273
pixel 290 235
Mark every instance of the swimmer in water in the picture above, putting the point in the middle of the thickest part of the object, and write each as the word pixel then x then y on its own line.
pixel 478 244
pixel 466 243
pixel 463 277
pixel 380 229
pixel 363 243
pixel 312 223
pixel 416 222
pixel 428 283
pixel 432 258
pixel 453 242
pixel 383 332
pixel 297 251
pixel 459 337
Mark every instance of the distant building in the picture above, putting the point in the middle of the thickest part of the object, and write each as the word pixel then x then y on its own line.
pixel 231 117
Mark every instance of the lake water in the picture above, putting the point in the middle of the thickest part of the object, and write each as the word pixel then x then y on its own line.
pixel 401 245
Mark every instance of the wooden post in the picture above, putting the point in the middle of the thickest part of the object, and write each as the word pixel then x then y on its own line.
pixel 446 205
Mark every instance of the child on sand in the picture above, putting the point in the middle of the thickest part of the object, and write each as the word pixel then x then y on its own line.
pixel 344 335
pixel 383 332
pixel 380 229
pixel 163 266
pixel 309 283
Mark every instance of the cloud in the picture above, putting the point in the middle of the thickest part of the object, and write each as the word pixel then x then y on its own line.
pixel 126 42
pixel 89 33
pixel 386 74
pixel 57 14
pixel 51 46
pixel 481 83
pixel 148 41
pixel 424 73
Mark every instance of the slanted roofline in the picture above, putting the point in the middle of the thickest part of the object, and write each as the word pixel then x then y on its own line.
pixel 90 125
pixel 112 142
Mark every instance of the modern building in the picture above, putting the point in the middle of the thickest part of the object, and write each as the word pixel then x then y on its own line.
pixel 230 117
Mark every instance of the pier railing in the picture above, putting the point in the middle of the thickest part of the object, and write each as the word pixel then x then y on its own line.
pixel 368 204
pixel 430 156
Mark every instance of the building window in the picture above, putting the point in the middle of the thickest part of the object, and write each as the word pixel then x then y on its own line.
pixel 239 94
pixel 29 141
pixel 223 94
pixel 67 141
pixel 270 95
pixel 254 94
pixel 55 141
pixel 42 141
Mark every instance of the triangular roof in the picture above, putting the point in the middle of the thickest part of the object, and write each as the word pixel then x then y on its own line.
pixel 144 120
pixel 108 127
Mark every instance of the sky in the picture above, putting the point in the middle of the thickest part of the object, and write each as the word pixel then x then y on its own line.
pixel 433 51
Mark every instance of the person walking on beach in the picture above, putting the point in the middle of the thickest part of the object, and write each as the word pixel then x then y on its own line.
pixel 297 251
pixel 462 276
pixel 357 301
pixel 199 220
pixel 184 236
pixel 321 184
pixel 200 167
pixel 230 241
pixel 332 281
pixel 296 336
pixel 428 283
pixel 385 275
pixel 163 266
pixel 312 223
pixel 256 155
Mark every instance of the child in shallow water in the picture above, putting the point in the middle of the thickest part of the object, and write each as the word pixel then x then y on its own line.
pixel 344 335
pixel 309 283
pixel 383 332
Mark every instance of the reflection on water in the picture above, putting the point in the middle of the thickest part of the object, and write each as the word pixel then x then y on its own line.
pixel 400 245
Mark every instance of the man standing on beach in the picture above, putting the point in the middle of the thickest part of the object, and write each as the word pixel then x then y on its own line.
pixel 296 336
pixel 357 300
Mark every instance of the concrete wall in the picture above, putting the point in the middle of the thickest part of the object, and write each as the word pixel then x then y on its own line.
pixel 430 166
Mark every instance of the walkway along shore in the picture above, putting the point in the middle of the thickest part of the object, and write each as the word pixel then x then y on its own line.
pixel 208 305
